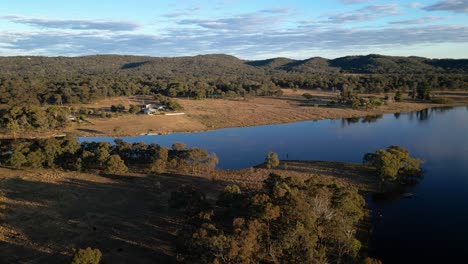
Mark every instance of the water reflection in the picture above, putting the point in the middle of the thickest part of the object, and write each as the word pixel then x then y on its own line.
pixel 423 115
pixel 371 118
pixel 354 120
pixel 442 109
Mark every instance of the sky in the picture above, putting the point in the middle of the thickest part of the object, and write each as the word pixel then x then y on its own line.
pixel 248 29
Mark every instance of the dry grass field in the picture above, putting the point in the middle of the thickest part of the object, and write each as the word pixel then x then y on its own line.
pixel 45 214
pixel 201 115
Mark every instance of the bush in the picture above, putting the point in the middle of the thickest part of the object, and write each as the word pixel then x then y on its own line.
pixel 87 256
pixel 133 109
pixel 307 96
pixel 115 165
pixel 158 166
pixel 272 160
pixel 117 108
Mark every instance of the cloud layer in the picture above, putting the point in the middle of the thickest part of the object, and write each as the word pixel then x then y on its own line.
pixel 368 13
pixel 74 24
pixel 184 41
pixel 456 6
pixel 265 33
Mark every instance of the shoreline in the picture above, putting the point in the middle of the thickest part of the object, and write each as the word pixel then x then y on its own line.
pixel 374 113
pixel 213 114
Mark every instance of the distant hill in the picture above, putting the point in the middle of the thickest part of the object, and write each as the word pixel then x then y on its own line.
pixel 203 65
pixel 367 64
pixel 224 65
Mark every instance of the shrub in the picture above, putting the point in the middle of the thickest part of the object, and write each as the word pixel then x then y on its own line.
pixel 117 108
pixel 158 166
pixel 307 96
pixel 87 256
pixel 133 109
pixel 115 165
pixel 272 160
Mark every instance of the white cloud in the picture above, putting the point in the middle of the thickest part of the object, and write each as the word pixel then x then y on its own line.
pixel 244 22
pixel 456 6
pixel 74 24
pixel 277 10
pixel 414 5
pixel 421 20
pixel 371 12
pixel 190 41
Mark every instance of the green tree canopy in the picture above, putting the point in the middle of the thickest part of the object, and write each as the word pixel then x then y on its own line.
pixel 393 163
pixel 272 160
pixel 115 165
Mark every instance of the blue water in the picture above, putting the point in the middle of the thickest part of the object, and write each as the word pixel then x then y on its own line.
pixel 431 227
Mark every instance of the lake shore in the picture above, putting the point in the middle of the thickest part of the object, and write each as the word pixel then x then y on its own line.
pixel 211 114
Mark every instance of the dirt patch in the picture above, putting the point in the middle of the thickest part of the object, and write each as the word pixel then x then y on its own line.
pixel 45 215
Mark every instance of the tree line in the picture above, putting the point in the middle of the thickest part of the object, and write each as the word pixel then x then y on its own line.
pixel 67 153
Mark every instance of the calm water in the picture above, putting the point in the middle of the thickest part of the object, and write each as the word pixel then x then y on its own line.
pixel 432 227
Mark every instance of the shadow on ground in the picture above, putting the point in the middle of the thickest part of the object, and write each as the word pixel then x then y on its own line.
pixel 127 218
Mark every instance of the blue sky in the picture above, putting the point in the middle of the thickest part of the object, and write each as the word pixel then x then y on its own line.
pixel 250 29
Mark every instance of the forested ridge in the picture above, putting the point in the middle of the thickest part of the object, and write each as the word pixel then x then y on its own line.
pixel 70 80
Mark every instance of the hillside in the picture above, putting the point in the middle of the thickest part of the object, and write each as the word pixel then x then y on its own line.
pixel 220 64
pixel 73 80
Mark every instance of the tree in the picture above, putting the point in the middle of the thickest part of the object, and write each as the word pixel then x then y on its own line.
pixel 393 163
pixel 398 96
pixel 35 159
pixel 179 146
pixel 17 159
pixel 102 154
pixel 87 256
pixel 272 160
pixel 115 165
pixel 133 109
pixel 423 91
pixel 158 166
pixel 13 127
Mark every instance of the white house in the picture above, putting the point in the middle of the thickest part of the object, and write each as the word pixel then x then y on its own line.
pixel 149 110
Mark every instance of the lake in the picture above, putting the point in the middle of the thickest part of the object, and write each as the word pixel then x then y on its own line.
pixel 430 227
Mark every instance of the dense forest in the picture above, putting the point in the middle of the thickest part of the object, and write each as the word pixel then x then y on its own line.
pixel 288 220
pixel 70 80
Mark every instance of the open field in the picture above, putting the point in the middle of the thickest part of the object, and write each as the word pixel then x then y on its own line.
pixel 201 115
pixel 45 214
pixel 208 114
